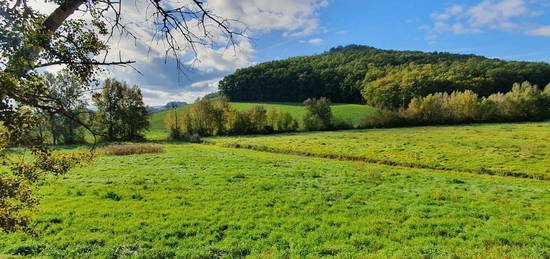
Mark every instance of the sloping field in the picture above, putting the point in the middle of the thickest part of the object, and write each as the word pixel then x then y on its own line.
pixel 207 201
pixel 520 149
pixel 353 113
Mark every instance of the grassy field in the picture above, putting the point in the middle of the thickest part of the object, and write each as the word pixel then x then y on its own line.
pixel 207 201
pixel 521 148
pixel 353 113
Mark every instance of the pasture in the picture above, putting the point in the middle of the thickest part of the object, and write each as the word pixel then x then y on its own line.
pixel 520 149
pixel 204 201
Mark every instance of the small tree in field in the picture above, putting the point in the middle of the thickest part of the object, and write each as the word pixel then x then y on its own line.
pixel 318 114
pixel 122 114
pixel 172 124
pixel 281 121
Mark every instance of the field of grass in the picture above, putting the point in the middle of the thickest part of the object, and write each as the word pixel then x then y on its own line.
pixel 521 149
pixel 205 201
pixel 353 113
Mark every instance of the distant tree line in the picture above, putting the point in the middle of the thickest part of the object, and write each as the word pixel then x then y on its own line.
pixel 382 78
pixel 208 118
pixel 525 102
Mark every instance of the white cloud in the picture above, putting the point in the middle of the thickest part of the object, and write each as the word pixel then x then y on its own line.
pixel 502 15
pixel 295 18
pixel 541 31
pixel 289 17
pixel 315 41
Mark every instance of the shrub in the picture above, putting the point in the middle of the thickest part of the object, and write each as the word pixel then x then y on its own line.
pixel 203 118
pixel 462 106
pixel 525 102
pixel 318 114
pixel 122 150
pixel 546 101
pixel 381 118
pixel 257 116
pixel 281 121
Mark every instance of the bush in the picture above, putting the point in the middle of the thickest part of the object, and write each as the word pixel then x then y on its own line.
pixel 203 118
pixel 463 106
pixel 546 101
pixel 318 114
pixel 257 116
pixel 525 102
pixel 281 121
pixel 122 150
pixel 381 118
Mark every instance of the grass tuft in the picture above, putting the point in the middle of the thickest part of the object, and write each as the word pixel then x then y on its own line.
pixel 124 150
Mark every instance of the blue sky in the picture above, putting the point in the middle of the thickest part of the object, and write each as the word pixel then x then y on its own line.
pixel 412 25
pixel 507 29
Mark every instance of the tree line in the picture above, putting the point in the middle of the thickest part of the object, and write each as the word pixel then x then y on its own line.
pixel 525 102
pixel 119 112
pixel 214 118
pixel 383 78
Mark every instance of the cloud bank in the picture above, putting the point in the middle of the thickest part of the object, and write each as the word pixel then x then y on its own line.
pixel 161 82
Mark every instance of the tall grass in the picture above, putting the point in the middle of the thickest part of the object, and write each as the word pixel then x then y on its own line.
pixel 124 150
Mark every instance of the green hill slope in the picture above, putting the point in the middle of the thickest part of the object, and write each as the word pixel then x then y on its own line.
pixel 353 113
pixel 362 74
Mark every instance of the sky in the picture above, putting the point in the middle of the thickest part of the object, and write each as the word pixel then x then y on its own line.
pixel 278 29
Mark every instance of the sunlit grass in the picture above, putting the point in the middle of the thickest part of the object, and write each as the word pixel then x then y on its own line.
pixel 206 201
pixel 520 148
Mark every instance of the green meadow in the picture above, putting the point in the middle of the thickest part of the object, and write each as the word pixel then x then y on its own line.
pixel 204 201
pixel 521 149
pixel 353 113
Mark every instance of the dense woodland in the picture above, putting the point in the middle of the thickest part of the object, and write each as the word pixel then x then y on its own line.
pixel 383 78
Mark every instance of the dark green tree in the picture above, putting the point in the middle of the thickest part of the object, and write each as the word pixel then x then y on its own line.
pixel 68 89
pixel 318 114
pixel 121 115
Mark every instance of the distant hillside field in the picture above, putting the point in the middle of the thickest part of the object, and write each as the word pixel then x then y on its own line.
pixel 342 112
pixel 363 74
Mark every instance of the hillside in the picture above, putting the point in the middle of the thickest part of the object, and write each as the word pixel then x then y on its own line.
pixel 362 74
pixel 342 112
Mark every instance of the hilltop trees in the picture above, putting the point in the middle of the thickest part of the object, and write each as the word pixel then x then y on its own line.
pixel 383 78
pixel 121 115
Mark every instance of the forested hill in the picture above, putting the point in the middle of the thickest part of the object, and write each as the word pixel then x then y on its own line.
pixel 362 74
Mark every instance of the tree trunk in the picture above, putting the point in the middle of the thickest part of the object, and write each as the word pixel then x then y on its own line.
pixel 50 26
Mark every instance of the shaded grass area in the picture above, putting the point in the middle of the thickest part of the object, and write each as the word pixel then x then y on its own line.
pixel 518 149
pixel 353 113
pixel 207 201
